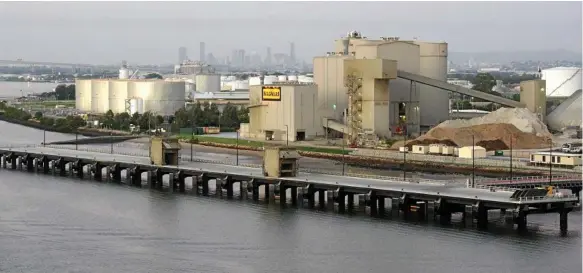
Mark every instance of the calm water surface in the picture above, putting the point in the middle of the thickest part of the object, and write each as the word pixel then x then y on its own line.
pixel 55 224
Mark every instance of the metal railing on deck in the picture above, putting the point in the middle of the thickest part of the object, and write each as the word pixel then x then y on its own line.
pixel 546 197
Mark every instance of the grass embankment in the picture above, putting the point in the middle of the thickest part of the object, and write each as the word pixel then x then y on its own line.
pixel 252 145
pixel 48 103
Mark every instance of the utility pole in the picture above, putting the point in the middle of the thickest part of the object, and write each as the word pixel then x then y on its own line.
pixel 343 153
pixel 192 139
pixel 551 162
pixel 111 140
pixel 44 137
pixel 76 140
pixel 237 160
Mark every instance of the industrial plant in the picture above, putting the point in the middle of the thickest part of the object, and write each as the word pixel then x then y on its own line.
pixel 130 95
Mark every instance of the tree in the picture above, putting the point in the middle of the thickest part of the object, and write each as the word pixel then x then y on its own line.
pixel 65 92
pixel 38 115
pixel 243 115
pixel 484 82
pixel 230 117
pixel 153 76
pixel 516 97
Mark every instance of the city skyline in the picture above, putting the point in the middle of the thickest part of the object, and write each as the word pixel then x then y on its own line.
pixel 142 34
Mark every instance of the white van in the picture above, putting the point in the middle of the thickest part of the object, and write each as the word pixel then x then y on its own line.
pixel 574 148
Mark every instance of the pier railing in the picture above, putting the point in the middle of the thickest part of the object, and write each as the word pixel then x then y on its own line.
pixel 526 179
pixel 139 151
pixel 547 197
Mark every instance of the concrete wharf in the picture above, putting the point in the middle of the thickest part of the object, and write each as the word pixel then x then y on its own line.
pixel 423 199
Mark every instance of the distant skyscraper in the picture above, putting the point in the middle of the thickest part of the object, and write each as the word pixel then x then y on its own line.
pixel 182 54
pixel 292 52
pixel 268 56
pixel 202 55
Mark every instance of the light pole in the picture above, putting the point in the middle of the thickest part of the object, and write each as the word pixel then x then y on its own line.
pixel 76 139
pixel 44 137
pixel 404 156
pixel 511 157
pixel 286 135
pixel 343 156
pixel 473 161
pixel 237 145
pixel 111 140
pixel 551 162
pixel 192 140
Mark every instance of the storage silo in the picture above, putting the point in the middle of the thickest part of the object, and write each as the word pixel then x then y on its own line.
pixel 269 79
pixel 208 83
pixel 282 78
pixel 292 78
pixel 562 82
pixel 99 96
pixel 118 93
pixel 254 81
pixel 136 106
pixel 159 97
pixel 83 95
pixel 433 102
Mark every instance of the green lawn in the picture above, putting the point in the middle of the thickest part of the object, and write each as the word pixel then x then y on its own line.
pixel 257 144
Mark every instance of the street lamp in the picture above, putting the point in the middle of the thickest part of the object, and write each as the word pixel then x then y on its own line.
pixel 343 157
pixel 551 162
pixel 286 135
pixel 404 156
pixel 511 157
pixel 237 145
pixel 473 161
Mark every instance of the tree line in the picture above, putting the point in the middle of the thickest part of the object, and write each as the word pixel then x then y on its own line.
pixel 62 92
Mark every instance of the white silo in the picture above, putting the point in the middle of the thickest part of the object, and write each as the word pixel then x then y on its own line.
pixel 118 93
pixel 83 95
pixel 292 78
pixel 254 81
pixel 124 73
pixel 562 81
pixel 231 78
pixel 305 79
pixel 433 102
pixel 136 106
pixel 99 96
pixel 282 78
pixel 208 83
pixel 269 79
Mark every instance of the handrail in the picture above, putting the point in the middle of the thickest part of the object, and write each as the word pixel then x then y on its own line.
pixel 143 153
pixel 547 197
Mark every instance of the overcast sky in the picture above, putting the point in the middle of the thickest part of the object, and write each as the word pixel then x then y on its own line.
pixel 151 32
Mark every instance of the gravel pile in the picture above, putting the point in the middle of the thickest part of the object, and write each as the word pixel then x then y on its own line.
pixel 521 118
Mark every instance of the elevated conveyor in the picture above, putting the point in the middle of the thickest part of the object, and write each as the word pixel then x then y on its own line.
pixel 335 125
pixel 458 89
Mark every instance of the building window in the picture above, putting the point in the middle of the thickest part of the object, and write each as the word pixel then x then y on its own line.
pixel 558 159
pixel 553 159
pixel 544 158
pixel 532 158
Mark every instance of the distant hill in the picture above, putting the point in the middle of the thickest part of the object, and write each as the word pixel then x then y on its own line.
pixel 508 56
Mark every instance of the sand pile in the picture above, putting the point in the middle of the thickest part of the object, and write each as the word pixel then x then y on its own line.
pixel 521 118
pixel 489 136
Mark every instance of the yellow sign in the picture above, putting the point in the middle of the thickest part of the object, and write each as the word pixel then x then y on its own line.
pixel 271 93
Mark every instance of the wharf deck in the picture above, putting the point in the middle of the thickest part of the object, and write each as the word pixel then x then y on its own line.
pixel 424 191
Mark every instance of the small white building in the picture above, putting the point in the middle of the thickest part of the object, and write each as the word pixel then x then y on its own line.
pixel 448 150
pixel 472 151
pixel 420 149
pixel 436 148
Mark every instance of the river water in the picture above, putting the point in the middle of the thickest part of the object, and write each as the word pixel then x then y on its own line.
pixel 56 224
pixel 17 89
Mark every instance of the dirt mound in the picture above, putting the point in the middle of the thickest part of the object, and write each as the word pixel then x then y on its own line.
pixel 492 136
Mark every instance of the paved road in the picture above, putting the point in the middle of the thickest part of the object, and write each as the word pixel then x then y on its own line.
pixel 420 188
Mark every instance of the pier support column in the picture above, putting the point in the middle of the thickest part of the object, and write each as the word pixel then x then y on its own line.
pixel 521 219
pixel 228 183
pixel 62 166
pixel 3 161
pixel 135 175
pixel 266 193
pixel 350 202
pixel 482 216
pixel 79 169
pixel 98 171
pixel 195 184
pixel 13 159
pixel 30 164
pixel 243 190
pixel 381 206
pixel 282 194
pixel 444 212
pixel 254 190
pixel 564 210
pixel 341 199
pixel 309 194
pixel 322 199
pixel 204 179
pixel 181 181
pixel 115 173
pixel 171 182
pixel 159 179
pixel 395 206
pixel 468 216
pixel 294 195
pixel 372 202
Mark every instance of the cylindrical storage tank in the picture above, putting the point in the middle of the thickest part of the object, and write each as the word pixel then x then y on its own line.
pixel 254 81
pixel 282 78
pixel 223 78
pixel 231 78
pixel 433 102
pixel 292 78
pixel 118 93
pixel 208 83
pixel 83 95
pixel 136 106
pixel 124 73
pixel 99 96
pixel 562 81
pixel 269 79
pixel 159 97
pixel 304 79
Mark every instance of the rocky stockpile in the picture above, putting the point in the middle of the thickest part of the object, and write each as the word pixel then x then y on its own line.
pixel 489 136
